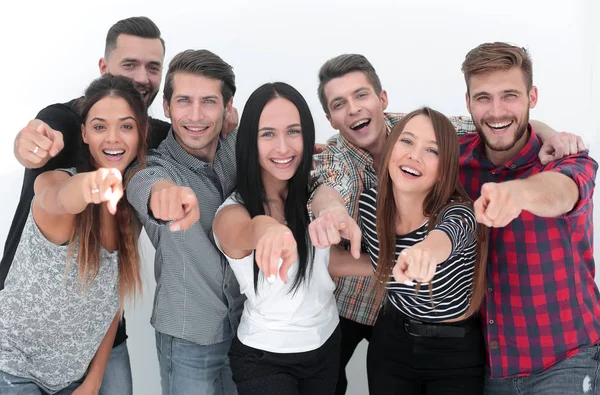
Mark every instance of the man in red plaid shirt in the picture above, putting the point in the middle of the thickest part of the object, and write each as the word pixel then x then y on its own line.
pixel 354 102
pixel 541 313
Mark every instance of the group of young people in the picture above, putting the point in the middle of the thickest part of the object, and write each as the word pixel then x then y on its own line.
pixel 464 258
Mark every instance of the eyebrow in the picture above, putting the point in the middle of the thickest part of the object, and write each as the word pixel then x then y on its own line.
pixel 104 120
pixel 504 91
pixel 413 135
pixel 133 60
pixel 362 88
pixel 293 125
pixel 184 95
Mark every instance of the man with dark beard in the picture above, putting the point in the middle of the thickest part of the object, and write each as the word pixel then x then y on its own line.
pixel 542 312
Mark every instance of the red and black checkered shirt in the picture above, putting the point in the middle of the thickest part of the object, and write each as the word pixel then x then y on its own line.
pixel 541 305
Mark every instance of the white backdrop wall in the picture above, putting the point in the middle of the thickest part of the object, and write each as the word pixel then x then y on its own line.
pixel 50 52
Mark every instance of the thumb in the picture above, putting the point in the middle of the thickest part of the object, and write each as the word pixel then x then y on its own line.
pixel 42 129
pixel 545 157
pixel 398 272
pixel 191 213
pixel 57 142
pixel 115 196
pixel 352 233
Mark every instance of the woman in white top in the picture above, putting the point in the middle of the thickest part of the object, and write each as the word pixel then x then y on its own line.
pixel 288 338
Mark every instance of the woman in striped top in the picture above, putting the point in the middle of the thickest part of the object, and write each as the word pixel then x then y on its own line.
pixel 429 255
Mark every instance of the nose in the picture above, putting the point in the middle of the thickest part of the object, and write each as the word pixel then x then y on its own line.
pixel 353 107
pixel 497 109
pixel 282 145
pixel 141 76
pixel 197 113
pixel 415 153
pixel 113 135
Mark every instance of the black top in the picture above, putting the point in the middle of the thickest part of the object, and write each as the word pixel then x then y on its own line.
pixel 451 285
pixel 64 118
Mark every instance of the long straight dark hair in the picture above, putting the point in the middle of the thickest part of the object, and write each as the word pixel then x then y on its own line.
pixel 87 231
pixel 249 181
pixel 438 199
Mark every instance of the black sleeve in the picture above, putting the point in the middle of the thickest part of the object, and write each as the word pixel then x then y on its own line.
pixel 158 132
pixel 60 117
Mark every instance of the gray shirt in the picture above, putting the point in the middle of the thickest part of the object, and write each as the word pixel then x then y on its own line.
pixel 197 296
pixel 50 325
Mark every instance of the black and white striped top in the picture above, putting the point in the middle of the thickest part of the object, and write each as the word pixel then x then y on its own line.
pixel 452 283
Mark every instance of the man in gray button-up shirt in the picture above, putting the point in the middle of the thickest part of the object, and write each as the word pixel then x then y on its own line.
pixel 197 303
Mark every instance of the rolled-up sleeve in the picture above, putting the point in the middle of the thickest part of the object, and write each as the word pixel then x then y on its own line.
pixel 329 170
pixel 581 168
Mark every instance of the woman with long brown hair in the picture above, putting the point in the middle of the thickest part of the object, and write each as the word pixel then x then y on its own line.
pixel 77 259
pixel 430 256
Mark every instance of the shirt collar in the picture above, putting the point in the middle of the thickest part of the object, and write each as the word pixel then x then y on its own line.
pixel 362 155
pixel 528 154
pixel 182 156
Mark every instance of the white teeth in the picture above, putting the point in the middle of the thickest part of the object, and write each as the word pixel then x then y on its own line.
pixel 114 152
pixel 359 123
pixel 411 171
pixel 282 161
pixel 499 125
pixel 193 129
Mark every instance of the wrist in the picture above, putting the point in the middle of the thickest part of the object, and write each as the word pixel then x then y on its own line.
pixel 334 209
pixel 160 185
pixel 92 383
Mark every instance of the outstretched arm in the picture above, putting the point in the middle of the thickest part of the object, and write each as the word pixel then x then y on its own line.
pixel 239 235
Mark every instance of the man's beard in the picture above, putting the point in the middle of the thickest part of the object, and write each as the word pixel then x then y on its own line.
pixel 521 129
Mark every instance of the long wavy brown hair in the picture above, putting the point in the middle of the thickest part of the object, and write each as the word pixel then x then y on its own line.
pixel 85 240
pixel 448 188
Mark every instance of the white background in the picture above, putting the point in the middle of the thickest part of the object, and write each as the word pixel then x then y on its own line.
pixel 50 52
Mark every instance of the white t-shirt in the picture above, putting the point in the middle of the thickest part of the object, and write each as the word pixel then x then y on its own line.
pixel 276 319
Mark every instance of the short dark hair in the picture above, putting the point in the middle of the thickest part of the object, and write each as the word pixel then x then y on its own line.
pixel 342 65
pixel 205 63
pixel 496 56
pixel 138 26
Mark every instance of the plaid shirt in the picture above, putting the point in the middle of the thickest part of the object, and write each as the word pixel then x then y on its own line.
pixel 542 304
pixel 349 169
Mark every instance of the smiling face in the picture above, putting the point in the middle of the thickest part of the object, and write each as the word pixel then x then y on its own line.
pixel 280 144
pixel 111 133
pixel 499 103
pixel 356 110
pixel 140 59
pixel 197 112
pixel 414 161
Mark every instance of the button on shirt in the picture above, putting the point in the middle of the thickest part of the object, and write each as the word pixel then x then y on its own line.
pixel 197 296
pixel 542 304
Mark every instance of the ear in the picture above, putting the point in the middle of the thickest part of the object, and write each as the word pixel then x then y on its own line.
pixel 383 97
pixel 533 96
pixel 468 102
pixel 84 134
pixel 166 107
pixel 103 66
pixel 229 105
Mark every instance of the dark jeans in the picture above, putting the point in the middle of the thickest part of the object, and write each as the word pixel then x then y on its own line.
pixel 409 357
pixel 258 372
pixel 579 374
pixel 352 334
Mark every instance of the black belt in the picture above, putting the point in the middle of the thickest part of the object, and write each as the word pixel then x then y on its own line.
pixel 420 329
